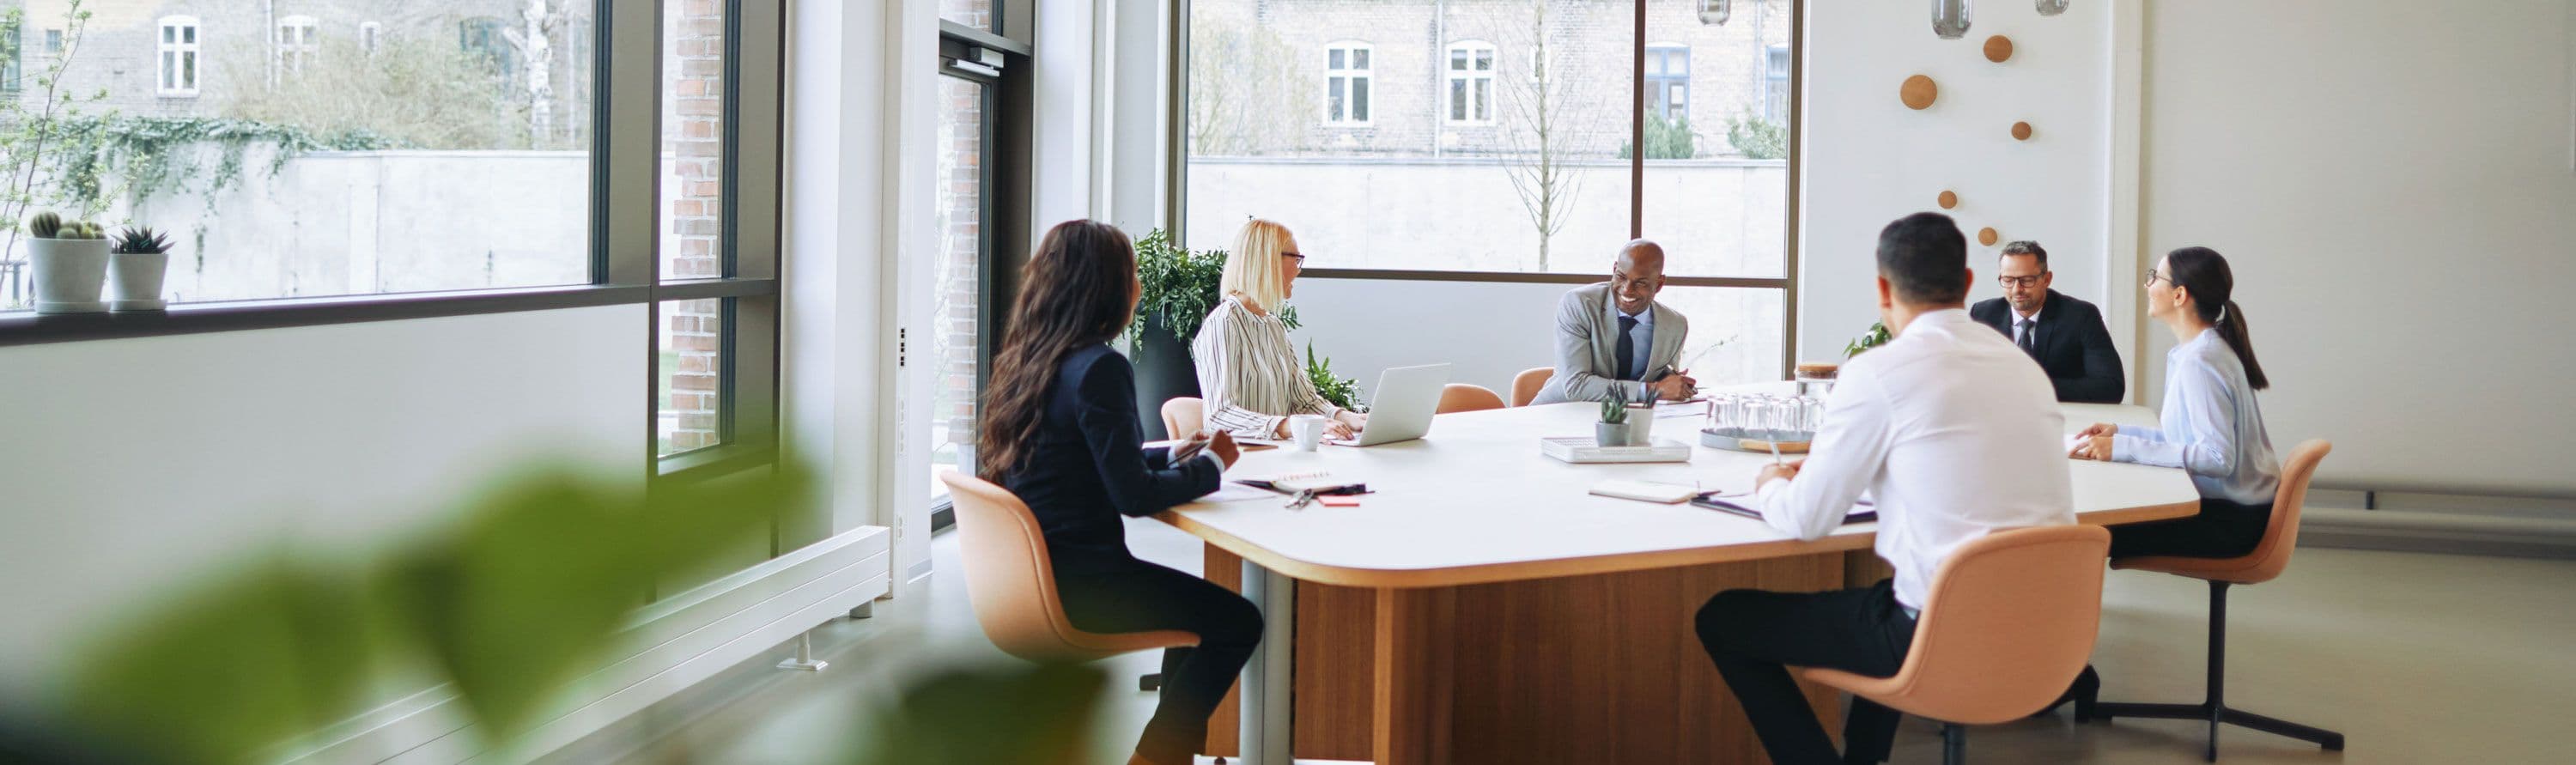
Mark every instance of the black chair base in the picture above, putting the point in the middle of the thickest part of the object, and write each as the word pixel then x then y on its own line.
pixel 2215 709
pixel 1150 681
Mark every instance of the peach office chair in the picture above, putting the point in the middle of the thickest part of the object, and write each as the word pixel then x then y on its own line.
pixel 2012 617
pixel 2265 562
pixel 1012 587
pixel 1462 397
pixel 1183 416
pixel 1527 384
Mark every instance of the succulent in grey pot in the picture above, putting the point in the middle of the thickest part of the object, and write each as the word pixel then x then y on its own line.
pixel 136 268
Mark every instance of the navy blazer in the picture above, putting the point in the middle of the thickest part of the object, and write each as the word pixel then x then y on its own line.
pixel 1087 466
pixel 2074 346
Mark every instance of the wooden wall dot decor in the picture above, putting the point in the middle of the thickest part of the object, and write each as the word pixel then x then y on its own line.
pixel 1998 49
pixel 2021 131
pixel 1986 236
pixel 1949 200
pixel 1919 92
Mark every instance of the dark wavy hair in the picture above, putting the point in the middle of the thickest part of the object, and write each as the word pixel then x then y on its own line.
pixel 1077 291
pixel 2203 272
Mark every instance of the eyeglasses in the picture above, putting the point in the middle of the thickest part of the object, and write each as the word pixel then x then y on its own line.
pixel 2152 277
pixel 1300 260
pixel 2022 281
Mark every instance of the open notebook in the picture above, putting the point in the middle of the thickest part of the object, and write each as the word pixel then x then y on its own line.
pixel 1864 512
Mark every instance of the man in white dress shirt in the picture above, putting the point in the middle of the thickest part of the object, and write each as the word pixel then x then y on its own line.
pixel 1954 434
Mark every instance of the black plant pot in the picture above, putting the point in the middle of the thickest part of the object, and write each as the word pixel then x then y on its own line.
pixel 1163 372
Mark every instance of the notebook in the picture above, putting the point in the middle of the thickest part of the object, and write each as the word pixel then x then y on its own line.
pixel 1318 482
pixel 1862 512
pixel 1645 491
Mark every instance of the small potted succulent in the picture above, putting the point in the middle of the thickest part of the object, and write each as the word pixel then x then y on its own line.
pixel 71 264
pixel 135 270
pixel 1622 425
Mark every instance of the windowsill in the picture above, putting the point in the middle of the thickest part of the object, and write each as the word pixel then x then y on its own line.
pixel 713 462
pixel 29 328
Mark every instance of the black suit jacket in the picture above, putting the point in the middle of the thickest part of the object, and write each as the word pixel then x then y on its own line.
pixel 1088 466
pixel 2074 346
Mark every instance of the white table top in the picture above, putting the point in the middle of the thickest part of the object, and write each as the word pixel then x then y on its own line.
pixel 1476 502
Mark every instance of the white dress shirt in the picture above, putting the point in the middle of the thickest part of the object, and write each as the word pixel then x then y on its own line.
pixel 2212 427
pixel 1951 429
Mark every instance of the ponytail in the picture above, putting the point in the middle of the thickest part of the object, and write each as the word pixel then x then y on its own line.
pixel 2231 328
pixel 2204 274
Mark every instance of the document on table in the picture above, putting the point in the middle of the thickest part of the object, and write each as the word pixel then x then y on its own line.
pixel 1235 492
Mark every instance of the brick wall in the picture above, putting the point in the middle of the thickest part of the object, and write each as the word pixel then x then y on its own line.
pixel 694 135
pixel 955 331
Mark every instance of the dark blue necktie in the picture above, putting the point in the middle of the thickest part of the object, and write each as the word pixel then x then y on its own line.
pixel 1627 348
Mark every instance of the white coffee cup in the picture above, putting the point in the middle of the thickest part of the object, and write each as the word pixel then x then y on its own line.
pixel 1308 430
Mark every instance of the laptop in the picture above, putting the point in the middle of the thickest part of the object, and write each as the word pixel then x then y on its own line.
pixel 1406 399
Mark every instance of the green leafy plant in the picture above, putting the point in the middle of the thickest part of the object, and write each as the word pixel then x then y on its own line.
pixel 1180 285
pixel 1875 337
pixel 509 606
pixel 1342 391
pixel 141 240
pixel 1614 410
pixel 1757 138
pixel 1666 139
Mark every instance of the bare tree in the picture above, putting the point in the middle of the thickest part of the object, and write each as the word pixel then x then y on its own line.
pixel 1247 93
pixel 1546 116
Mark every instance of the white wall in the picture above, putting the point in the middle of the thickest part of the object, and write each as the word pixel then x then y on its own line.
pixel 130 463
pixel 2394 184
pixel 1870 160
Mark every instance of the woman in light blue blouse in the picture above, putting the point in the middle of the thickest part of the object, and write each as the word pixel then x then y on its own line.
pixel 2212 424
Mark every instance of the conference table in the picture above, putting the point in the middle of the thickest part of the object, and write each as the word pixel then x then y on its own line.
pixel 1479 605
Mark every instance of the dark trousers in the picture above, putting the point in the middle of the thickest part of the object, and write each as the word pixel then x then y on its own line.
pixel 1129 595
pixel 1751 634
pixel 2223 529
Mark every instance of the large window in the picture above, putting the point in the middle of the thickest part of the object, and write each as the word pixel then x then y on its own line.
pixel 1346 84
pixel 1512 140
pixel 436 164
pixel 178 54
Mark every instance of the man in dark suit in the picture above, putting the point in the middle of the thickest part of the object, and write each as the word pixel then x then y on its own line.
pixel 2065 335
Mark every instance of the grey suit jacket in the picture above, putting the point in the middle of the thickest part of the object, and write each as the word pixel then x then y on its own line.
pixel 1587 336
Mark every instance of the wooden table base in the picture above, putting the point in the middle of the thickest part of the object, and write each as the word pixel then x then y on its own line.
pixel 1600 668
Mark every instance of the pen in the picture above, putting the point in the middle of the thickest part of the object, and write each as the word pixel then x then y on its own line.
pixel 1775 451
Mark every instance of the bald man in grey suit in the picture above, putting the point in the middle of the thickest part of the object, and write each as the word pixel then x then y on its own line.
pixel 1613 336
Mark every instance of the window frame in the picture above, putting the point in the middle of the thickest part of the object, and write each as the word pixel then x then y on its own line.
pixel 623 259
pixel 1176 180
pixel 1350 77
pixel 1661 77
pixel 178 40
pixel 1471 76
pixel 293 55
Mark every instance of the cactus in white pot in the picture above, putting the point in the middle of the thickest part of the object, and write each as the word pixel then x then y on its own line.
pixel 71 264
pixel 135 270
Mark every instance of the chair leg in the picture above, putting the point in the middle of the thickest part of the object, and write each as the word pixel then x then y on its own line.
pixel 1150 681
pixel 1954 744
pixel 2214 708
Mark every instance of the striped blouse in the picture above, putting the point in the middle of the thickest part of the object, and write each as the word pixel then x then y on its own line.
pixel 1249 374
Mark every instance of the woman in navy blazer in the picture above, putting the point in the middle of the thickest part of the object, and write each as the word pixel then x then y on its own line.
pixel 1060 431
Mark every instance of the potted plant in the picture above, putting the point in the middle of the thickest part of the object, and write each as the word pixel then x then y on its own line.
pixel 1622 425
pixel 1875 337
pixel 136 267
pixel 1344 392
pixel 71 264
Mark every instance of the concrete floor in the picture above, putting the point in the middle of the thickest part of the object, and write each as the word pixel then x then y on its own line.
pixel 2416 658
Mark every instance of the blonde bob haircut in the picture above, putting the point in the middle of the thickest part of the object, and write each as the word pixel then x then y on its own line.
pixel 1252 267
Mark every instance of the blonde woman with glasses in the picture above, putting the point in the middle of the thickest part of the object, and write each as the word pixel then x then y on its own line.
pixel 1251 376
